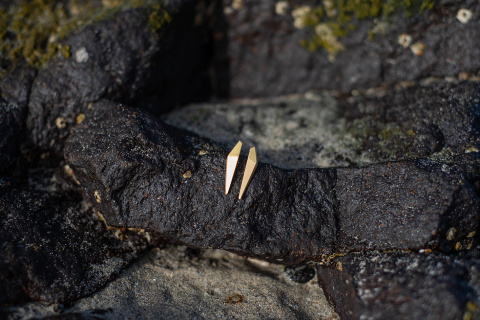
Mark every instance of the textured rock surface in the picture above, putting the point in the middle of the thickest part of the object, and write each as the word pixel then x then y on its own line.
pixel 165 66
pixel 266 59
pixel 54 248
pixel 403 286
pixel 435 120
pixel 11 120
pixel 14 94
pixel 142 173
pixel 135 169
pixel 178 283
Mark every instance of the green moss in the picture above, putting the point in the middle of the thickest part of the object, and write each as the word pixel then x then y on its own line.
pixel 32 30
pixel 383 141
pixel 65 50
pixel 340 16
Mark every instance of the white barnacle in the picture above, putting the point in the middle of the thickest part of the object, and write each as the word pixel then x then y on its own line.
pixel 417 48
pixel 281 7
pixel 405 40
pixel 81 55
pixel 299 14
pixel 60 123
pixel 237 4
pixel 464 15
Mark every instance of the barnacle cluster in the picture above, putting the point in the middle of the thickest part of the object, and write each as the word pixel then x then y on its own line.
pixel 332 20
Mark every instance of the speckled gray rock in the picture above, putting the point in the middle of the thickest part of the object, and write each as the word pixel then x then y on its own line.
pixel 436 120
pixel 403 286
pixel 176 283
pixel 142 173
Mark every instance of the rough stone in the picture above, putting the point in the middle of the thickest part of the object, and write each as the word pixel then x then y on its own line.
pixel 14 93
pixel 131 166
pixel 258 52
pixel 402 286
pixel 54 248
pixel 15 86
pixel 11 120
pixel 129 60
pixel 418 121
pixel 173 283
pixel 435 120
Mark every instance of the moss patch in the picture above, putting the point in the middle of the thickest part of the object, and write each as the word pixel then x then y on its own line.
pixel 380 141
pixel 31 30
pixel 333 20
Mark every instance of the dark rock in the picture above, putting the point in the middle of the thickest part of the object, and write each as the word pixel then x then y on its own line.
pixel 14 93
pixel 405 205
pixel 402 286
pixel 133 168
pixel 54 249
pixel 15 86
pixel 11 121
pixel 266 59
pixel 417 121
pixel 127 59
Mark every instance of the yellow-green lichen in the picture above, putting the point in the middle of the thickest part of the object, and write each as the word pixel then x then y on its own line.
pixel 332 20
pixel 158 18
pixel 380 141
pixel 32 30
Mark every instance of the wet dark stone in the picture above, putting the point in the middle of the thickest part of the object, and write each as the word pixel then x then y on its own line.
pixel 15 86
pixel 425 119
pixel 402 286
pixel 133 168
pixel 54 249
pixel 124 59
pixel 11 121
pixel 301 273
pixel 266 59
pixel 14 92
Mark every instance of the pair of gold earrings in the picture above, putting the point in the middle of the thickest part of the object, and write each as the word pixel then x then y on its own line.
pixel 250 167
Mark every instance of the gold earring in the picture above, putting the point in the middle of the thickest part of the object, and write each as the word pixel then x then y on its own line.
pixel 249 170
pixel 232 160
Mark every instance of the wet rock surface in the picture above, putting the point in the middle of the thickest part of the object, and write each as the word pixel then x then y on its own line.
pixel 266 58
pixel 11 121
pixel 147 66
pixel 14 93
pixel 136 179
pixel 402 286
pixel 55 248
pixel 394 167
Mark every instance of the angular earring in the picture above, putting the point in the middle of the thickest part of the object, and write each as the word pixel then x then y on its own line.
pixel 249 170
pixel 232 160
